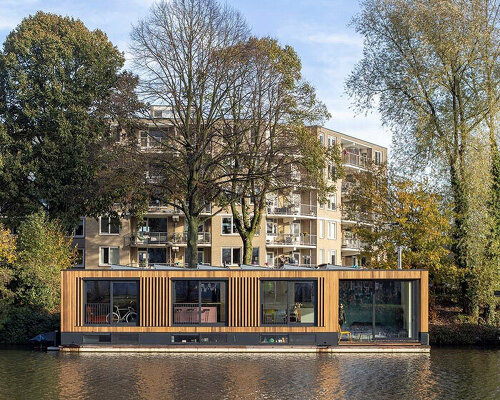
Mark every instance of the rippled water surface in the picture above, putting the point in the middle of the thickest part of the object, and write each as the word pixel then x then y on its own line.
pixel 444 374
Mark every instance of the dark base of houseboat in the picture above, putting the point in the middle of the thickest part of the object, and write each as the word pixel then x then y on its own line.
pixel 210 339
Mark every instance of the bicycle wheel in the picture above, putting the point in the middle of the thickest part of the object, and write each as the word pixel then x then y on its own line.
pixel 132 317
pixel 116 318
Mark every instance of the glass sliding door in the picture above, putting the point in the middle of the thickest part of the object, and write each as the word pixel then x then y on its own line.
pixel 288 302
pixel 199 302
pixel 378 310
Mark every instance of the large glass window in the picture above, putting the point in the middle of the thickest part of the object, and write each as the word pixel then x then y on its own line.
pixel 109 256
pixel 199 302
pixel 378 310
pixel 288 302
pixel 111 302
pixel 109 226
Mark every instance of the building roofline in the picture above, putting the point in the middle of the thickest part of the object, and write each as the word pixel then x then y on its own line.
pixel 345 134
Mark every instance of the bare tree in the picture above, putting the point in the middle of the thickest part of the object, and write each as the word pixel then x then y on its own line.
pixel 271 149
pixel 181 52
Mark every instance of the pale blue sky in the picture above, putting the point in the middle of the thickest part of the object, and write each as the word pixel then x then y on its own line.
pixel 317 29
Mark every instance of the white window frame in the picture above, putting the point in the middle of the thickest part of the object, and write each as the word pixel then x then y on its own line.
pixel 234 231
pixel 83 225
pixel 271 264
pixel 332 257
pixel 321 256
pixel 331 203
pixel 321 228
pixel 232 260
pixel 322 139
pixel 109 227
pixel 378 157
pixel 332 234
pixel 101 262
pixel 274 223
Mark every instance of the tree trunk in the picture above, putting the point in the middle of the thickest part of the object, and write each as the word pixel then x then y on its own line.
pixel 247 247
pixel 192 242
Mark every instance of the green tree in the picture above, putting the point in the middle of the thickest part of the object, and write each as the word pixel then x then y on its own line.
pixel 56 81
pixel 422 61
pixel 43 250
pixel 7 257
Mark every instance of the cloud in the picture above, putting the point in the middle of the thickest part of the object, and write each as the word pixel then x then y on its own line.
pixel 335 38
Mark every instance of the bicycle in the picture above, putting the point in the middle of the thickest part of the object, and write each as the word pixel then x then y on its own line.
pixel 130 316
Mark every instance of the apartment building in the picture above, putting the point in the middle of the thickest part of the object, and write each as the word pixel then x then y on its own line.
pixel 297 230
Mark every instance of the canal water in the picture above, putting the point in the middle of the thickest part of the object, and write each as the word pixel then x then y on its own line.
pixel 442 374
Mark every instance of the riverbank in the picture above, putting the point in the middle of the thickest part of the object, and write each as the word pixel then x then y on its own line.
pixel 464 335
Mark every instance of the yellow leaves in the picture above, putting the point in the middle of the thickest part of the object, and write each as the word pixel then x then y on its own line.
pixel 7 246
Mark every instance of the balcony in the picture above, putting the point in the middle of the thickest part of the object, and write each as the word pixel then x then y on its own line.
pixel 293 210
pixel 354 160
pixel 291 240
pixel 353 217
pixel 165 238
pixel 157 207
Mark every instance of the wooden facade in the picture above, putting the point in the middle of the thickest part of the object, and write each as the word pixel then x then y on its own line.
pixel 244 302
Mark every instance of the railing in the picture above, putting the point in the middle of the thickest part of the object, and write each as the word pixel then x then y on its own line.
pixel 293 209
pixel 167 238
pixel 293 240
pixel 358 216
pixel 351 243
pixel 97 313
pixel 356 160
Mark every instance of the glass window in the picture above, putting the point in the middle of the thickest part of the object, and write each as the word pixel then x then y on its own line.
pixel 109 226
pixel 80 258
pixel 80 229
pixel 255 256
pixel 378 310
pixel 228 227
pixel 271 228
pixel 199 302
pixel 231 255
pixel 109 256
pixel 226 256
pixel 288 302
pixel 111 302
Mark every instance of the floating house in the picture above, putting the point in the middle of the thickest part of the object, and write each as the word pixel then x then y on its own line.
pixel 327 306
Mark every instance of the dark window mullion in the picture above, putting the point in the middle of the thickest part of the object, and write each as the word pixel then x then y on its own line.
pixel 199 302
pixel 111 305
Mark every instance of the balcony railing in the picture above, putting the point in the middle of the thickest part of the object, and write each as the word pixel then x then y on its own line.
pixel 307 210
pixel 358 216
pixel 351 243
pixel 97 313
pixel 293 240
pixel 353 159
pixel 166 238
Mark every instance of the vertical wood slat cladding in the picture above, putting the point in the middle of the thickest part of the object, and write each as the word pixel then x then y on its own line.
pixel 244 301
pixel 244 305
pixel 154 301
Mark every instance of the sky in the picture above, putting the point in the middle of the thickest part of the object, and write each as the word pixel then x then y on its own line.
pixel 317 29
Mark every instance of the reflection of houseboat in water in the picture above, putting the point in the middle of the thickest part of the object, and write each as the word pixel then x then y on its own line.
pixel 252 306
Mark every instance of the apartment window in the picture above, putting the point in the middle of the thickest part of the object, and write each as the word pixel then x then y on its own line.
pixel 378 157
pixel 201 256
pixel 332 230
pixel 331 172
pixel 322 139
pixel 271 228
pixel 157 113
pixel 270 259
pixel 80 229
pixel 331 203
pixel 321 256
pixel 231 255
pixel 143 139
pixel 228 226
pixel 80 258
pixel 199 302
pixel 109 226
pixel 255 256
pixel 288 302
pixel 321 228
pixel 331 141
pixel 332 255
pixel 111 302
pixel 109 255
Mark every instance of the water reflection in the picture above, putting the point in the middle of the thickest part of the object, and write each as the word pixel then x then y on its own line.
pixel 444 374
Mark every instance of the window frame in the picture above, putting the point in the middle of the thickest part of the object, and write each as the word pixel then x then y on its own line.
pixel 234 231
pixel 232 258
pixel 82 219
pixel 200 304
pixel 109 227
pixel 289 280
pixel 82 264
pixel 111 306
pixel 101 264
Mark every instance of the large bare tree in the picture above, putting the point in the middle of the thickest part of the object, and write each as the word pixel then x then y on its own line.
pixel 185 52
pixel 272 151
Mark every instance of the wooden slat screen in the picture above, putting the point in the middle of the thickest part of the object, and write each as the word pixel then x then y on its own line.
pixel 154 301
pixel 244 301
pixel 321 302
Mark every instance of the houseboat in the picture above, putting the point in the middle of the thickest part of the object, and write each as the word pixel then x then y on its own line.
pixel 173 307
